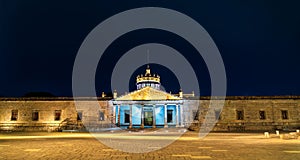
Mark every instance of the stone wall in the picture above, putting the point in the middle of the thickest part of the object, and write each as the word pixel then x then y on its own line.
pixel 46 108
pixel 273 108
pixel 252 120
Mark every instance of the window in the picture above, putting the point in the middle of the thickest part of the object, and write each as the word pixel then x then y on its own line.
pixel 240 115
pixel 284 114
pixel 218 114
pixel 79 115
pixel 126 116
pixel 57 115
pixel 35 115
pixel 14 115
pixel 169 116
pixel 196 114
pixel 262 115
pixel 101 116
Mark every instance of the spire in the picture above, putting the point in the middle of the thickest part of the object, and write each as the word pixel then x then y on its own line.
pixel 148 56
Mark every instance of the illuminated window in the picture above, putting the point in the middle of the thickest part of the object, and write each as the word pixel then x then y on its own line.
pixel 169 116
pixel 262 115
pixel 126 116
pixel 284 114
pixel 57 115
pixel 79 115
pixel 240 115
pixel 14 115
pixel 101 116
pixel 35 115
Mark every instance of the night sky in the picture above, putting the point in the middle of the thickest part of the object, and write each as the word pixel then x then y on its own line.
pixel 259 42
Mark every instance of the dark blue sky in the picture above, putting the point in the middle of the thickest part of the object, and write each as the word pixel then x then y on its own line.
pixel 259 42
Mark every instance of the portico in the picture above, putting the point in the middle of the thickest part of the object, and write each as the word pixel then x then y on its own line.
pixel 149 114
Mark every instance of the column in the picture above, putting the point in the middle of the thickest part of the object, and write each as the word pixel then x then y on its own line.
pixel 154 117
pixel 181 115
pixel 119 115
pixel 166 122
pixel 114 115
pixel 130 116
pixel 142 116
pixel 177 116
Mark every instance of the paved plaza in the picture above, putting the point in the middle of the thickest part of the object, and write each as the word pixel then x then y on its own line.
pixel 61 145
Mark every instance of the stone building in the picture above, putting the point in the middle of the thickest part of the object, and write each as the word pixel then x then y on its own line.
pixel 253 113
pixel 48 114
pixel 149 107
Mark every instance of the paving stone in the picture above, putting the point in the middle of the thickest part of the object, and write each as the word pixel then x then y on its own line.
pixel 221 146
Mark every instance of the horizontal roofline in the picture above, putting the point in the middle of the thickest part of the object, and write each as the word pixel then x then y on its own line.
pixel 241 97
pixel 52 98
pixel 110 98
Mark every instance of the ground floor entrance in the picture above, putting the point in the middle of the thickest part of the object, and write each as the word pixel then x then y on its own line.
pixel 148 115
pixel 148 118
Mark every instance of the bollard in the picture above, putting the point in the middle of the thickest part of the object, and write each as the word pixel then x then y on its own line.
pixel 267 135
pixel 277 133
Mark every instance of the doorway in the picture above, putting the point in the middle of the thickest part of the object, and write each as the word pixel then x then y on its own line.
pixel 148 120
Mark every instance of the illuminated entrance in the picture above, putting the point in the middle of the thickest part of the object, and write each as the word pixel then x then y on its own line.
pixel 148 116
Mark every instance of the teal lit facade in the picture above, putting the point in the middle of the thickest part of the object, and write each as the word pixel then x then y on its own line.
pixel 148 115
pixel 148 106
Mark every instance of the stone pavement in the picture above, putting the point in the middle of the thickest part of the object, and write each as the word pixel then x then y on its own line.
pixel 231 146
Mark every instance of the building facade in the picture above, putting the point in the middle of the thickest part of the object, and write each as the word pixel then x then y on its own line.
pixel 150 107
pixel 238 114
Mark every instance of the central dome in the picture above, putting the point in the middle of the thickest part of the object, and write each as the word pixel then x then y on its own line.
pixel 148 80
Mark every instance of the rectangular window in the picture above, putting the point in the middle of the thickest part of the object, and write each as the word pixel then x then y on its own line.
pixel 284 114
pixel 196 114
pixel 169 116
pixel 262 115
pixel 101 116
pixel 217 114
pixel 57 115
pixel 35 115
pixel 126 116
pixel 14 115
pixel 240 115
pixel 79 115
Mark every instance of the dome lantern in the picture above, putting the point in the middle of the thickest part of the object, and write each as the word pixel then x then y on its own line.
pixel 148 80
